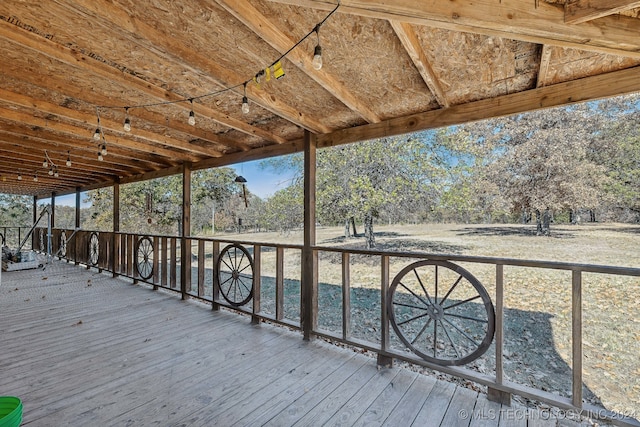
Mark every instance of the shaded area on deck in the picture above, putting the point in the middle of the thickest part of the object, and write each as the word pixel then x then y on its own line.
pixel 81 348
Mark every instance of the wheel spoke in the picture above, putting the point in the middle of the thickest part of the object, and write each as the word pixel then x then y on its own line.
pixel 248 288
pixel 426 303
pixel 409 305
pixel 244 268
pixel 462 332
pixel 415 270
pixel 230 278
pixel 424 328
pixel 435 339
pixel 451 290
pixel 467 317
pixel 225 263
pixel 450 340
pixel 419 316
pixel 462 302
pixel 435 296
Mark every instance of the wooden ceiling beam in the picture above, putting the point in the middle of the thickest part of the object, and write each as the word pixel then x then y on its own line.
pixel 72 130
pixel 270 33
pixel 585 89
pixel 509 19
pixel 150 38
pixel 87 119
pixel 77 59
pixel 579 11
pixel 409 40
pixel 32 140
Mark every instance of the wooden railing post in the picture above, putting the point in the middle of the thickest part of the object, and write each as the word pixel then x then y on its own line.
pixel 115 261
pixel 216 286
pixel 255 319
pixel 576 342
pixel 279 283
pixel 346 296
pixel 494 394
pixel 384 360
pixel 185 243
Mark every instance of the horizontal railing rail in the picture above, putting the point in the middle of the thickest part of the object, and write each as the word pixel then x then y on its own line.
pixel 273 273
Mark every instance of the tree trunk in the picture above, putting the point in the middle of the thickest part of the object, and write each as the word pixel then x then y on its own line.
pixel 347 228
pixel 592 215
pixel 368 231
pixel 353 224
pixel 538 223
pixel 546 222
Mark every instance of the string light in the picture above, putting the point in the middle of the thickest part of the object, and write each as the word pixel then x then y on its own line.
pixel 55 173
pixel 19 176
pixel 245 101
pixel 35 177
pixel 51 172
pixel 96 134
pixel 127 121
pixel 103 149
pixel 317 52
pixel 192 116
pixel 68 159
pixel 44 163
pixel 100 158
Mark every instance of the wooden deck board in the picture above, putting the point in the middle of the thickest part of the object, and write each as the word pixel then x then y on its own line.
pixel 81 348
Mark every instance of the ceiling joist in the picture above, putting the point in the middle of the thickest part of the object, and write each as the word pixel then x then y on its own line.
pixel 579 11
pixel 510 19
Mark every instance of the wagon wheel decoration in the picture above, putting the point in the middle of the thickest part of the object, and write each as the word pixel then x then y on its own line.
pixel 441 312
pixel 144 257
pixel 63 244
pixel 94 249
pixel 235 274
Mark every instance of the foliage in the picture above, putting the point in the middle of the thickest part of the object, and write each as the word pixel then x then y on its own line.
pixel 15 210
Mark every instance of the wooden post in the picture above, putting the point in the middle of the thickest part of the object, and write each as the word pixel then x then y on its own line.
pixel 257 273
pixel 346 296
pixel 309 283
pixel 279 283
pixel 53 210
pixel 185 243
pixel 216 286
pixel 35 218
pixel 576 331
pixel 384 360
pixel 116 228
pixel 494 394
pixel 77 238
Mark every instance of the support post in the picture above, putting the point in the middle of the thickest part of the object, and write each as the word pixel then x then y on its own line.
pixel 35 218
pixel 185 243
pixel 384 360
pixel 75 241
pixel 309 283
pixel 115 246
pixel 576 331
pixel 53 209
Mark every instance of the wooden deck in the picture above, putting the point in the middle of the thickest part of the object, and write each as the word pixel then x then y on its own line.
pixel 83 349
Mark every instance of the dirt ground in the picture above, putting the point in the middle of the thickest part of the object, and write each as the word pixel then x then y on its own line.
pixel 537 301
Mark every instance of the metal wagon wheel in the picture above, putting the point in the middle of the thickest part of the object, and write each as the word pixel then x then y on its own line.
pixel 63 244
pixel 144 257
pixel 441 312
pixel 94 248
pixel 235 274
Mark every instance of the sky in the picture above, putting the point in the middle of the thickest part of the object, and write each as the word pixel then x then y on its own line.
pixel 261 182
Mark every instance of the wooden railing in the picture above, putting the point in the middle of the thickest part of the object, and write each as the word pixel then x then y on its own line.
pixel 276 276
pixel 12 236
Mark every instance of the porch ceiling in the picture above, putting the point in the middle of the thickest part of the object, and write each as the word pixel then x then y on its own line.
pixel 390 67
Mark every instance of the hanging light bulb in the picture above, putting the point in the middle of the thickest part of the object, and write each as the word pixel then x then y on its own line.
pixel 317 58
pixel 103 150
pixel 127 121
pixel 96 134
pixel 55 173
pixel 245 101
pixel 192 116
pixel 68 159
pixel 317 52
pixel 51 172
pixel 45 164
pixel 100 158
pixel 19 177
pixel 35 177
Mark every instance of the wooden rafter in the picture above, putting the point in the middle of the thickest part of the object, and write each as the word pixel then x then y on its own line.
pixel 410 41
pixel 147 36
pixel 579 11
pixel 76 59
pixel 511 19
pixel 269 32
pixel 112 126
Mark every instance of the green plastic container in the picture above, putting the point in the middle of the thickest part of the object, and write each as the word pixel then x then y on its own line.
pixel 10 411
